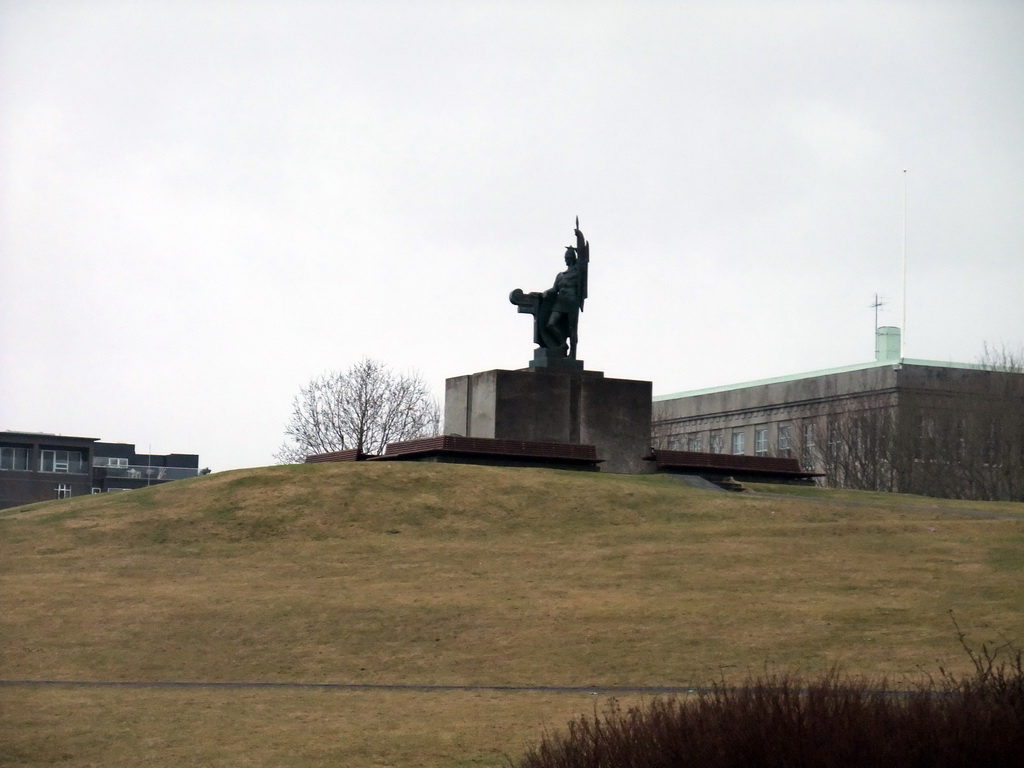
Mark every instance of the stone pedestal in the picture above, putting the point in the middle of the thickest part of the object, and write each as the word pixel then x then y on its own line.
pixel 559 406
pixel 544 358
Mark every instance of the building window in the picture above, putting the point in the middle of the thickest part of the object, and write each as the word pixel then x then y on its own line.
pixel 63 491
pixel 109 461
pixel 14 458
pixel 927 428
pixel 694 443
pixel 717 443
pixel 835 444
pixel 738 447
pixel 785 444
pixel 761 441
pixel 60 461
pixel 807 448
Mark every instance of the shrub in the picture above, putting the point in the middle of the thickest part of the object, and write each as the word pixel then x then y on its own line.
pixel 833 721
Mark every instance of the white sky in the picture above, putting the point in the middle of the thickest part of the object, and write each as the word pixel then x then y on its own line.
pixel 205 204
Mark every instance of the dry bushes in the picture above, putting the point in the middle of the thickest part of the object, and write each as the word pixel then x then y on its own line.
pixel 833 721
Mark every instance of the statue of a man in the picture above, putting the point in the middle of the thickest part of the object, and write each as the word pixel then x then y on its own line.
pixel 559 332
pixel 557 310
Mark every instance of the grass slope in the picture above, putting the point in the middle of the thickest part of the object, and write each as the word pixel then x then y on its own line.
pixel 394 573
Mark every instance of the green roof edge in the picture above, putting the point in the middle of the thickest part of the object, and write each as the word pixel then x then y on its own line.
pixel 824 372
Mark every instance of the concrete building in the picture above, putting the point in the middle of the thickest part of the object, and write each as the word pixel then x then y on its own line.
pixel 37 466
pixel 895 424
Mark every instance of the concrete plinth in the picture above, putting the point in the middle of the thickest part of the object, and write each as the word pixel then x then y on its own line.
pixel 558 406
pixel 544 358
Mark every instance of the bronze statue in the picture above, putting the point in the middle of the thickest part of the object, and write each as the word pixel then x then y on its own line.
pixel 556 311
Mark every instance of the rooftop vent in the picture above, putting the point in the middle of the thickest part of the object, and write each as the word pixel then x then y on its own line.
pixel 887 344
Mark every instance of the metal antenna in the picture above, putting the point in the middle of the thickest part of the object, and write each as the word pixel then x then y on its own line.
pixel 877 304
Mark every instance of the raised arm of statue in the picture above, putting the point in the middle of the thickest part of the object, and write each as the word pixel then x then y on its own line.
pixel 582 261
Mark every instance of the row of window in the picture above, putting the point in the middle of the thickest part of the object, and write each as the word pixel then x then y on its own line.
pixel 60 461
pixel 49 460
pixel 738 447
pixel 109 461
pixel 15 458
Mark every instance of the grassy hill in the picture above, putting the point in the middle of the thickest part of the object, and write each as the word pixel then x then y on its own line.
pixel 419 574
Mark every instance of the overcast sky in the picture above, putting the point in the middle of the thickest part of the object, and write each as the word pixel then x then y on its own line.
pixel 205 204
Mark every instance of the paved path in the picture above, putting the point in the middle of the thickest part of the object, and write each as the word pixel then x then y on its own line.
pixel 698 482
pixel 592 689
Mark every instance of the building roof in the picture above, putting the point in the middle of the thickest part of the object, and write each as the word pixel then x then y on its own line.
pixel 42 435
pixel 828 372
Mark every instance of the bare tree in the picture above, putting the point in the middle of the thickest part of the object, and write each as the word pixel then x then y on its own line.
pixel 365 408
pixel 1002 358
pixel 856 446
pixel 999 428
pixel 970 446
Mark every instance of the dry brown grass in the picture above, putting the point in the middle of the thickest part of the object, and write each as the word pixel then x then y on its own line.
pixel 126 728
pixel 392 573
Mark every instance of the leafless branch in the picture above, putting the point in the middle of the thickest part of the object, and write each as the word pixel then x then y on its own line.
pixel 365 407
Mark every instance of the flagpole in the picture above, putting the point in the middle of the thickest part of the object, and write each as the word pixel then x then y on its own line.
pixel 903 331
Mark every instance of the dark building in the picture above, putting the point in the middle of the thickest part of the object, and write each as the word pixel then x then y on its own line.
pixel 37 466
